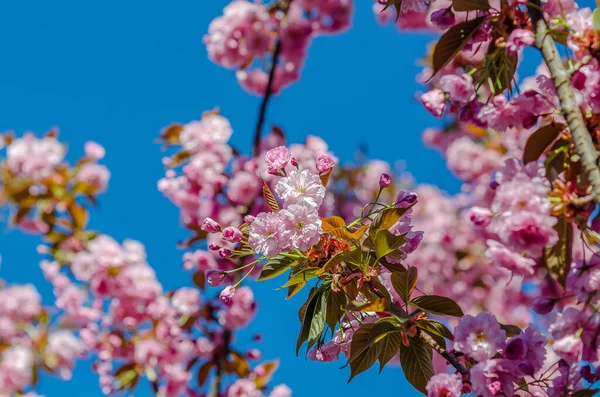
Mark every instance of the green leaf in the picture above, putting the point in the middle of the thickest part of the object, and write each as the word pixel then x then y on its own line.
pixel 386 219
pixel 336 302
pixel 302 276
pixel 470 5
pixel 382 329
pixel 389 345
pixel 404 283
pixel 378 305
pixel 302 311
pixel 538 142
pixel 585 392
pixel 511 330
pixel 392 267
pixel 294 289
pixel 416 364
pixel 127 376
pixel 274 267
pixel 386 243
pixel 439 305
pixel 453 41
pixel 270 198
pixel 435 328
pixel 317 324
pixel 363 354
pixel 558 257
pixel 307 319
pixel 596 18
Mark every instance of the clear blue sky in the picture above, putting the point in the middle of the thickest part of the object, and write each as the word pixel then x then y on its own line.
pixel 117 71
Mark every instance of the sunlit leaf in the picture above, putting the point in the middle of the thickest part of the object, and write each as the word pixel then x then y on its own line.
pixel 363 354
pixel 439 305
pixel 274 267
pixel 404 283
pixel 385 243
pixel 379 305
pixel 270 198
pixel 302 276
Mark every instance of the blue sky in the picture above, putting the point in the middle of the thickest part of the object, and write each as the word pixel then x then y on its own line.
pixel 116 72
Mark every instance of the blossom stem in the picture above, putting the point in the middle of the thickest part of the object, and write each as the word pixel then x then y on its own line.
pixel 269 90
pixel 221 361
pixel 451 358
pixel 245 266
pixel 584 146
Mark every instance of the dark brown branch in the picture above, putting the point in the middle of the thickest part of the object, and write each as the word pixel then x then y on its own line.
pixel 221 361
pixel 269 90
pixel 451 358
pixel 584 146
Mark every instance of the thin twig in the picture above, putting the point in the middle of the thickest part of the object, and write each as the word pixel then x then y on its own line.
pixel 451 358
pixel 584 146
pixel 269 90
pixel 221 361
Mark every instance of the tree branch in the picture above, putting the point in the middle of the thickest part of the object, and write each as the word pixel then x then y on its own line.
pixel 451 358
pixel 584 146
pixel 215 390
pixel 269 90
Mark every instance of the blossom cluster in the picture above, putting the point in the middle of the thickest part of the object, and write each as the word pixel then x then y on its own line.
pixel 249 31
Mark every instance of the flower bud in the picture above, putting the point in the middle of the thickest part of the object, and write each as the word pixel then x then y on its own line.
pixel 224 253
pixel 385 180
pixel 324 163
pixel 214 277
pixel 232 234
pixel 209 225
pixel 213 247
pixel 254 354
pixel 227 295
pixel 294 162
pixel 480 216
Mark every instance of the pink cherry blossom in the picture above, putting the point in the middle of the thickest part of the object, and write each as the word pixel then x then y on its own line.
pixel 519 39
pixel 266 234
pixel 33 158
pixel 301 187
pixel 444 385
pixel 325 162
pixel 94 150
pixel 480 337
pixel 277 158
pixel 434 101
pixel 302 226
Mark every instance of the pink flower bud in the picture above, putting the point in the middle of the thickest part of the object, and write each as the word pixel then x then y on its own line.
pixel 385 180
pixel 249 219
pixel 224 253
pixel 277 158
pixel 94 150
pixel 254 354
pixel 214 277
pixel 294 162
pixel 324 163
pixel 232 234
pixel 405 199
pixel 480 216
pixel 227 294
pixel 209 225
pixel 543 305
pixel 443 18
pixel 213 247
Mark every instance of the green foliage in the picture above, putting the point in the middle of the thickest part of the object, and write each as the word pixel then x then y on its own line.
pixel 275 266
pixel 404 283
pixel 416 364
pixel 302 276
pixel 511 330
pixel 439 305
pixel 596 17
pixel 385 243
